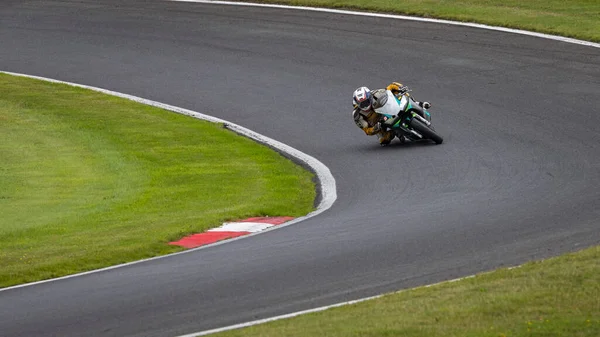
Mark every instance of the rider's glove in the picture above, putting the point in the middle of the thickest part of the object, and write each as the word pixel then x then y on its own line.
pixel 426 105
pixel 394 87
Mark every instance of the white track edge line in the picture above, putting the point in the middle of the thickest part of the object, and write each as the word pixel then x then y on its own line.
pixel 309 311
pixel 325 178
pixel 298 313
pixel 276 318
pixel 401 17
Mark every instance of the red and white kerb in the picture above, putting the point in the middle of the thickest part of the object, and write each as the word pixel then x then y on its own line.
pixel 231 230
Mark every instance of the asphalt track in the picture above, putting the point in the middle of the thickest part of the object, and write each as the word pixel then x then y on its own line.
pixel 516 178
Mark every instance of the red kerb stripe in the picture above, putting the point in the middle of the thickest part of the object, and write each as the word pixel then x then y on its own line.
pixel 205 238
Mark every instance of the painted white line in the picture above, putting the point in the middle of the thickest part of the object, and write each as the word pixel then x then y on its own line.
pixel 251 227
pixel 261 321
pixel 324 176
pixel 400 17
pixel 298 313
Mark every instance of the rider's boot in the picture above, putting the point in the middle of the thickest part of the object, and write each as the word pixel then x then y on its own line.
pixel 386 137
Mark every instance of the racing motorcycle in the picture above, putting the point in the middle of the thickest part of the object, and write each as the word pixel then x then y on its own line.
pixel 400 114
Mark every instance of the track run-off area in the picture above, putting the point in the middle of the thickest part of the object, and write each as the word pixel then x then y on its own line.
pixel 516 178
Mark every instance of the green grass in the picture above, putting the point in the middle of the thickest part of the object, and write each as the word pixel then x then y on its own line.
pixel 556 297
pixel 89 180
pixel 572 18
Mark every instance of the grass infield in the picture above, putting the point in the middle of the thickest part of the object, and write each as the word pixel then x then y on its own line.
pixel 578 19
pixel 89 180
pixel 552 298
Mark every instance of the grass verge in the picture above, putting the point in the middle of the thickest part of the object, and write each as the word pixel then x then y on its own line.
pixel 573 18
pixel 89 180
pixel 555 297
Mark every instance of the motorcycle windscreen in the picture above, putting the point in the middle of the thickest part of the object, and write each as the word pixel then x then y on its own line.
pixel 392 107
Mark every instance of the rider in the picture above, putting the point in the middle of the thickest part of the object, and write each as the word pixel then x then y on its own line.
pixel 365 116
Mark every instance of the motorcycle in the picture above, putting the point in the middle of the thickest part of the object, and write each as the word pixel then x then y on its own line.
pixel 400 114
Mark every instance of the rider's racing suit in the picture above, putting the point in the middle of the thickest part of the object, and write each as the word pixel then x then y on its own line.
pixel 369 121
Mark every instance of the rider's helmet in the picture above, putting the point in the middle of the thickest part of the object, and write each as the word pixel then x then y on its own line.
pixel 362 98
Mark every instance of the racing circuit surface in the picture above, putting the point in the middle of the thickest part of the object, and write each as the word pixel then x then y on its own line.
pixel 516 178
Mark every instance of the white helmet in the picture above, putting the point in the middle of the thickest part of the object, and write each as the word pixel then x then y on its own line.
pixel 362 98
